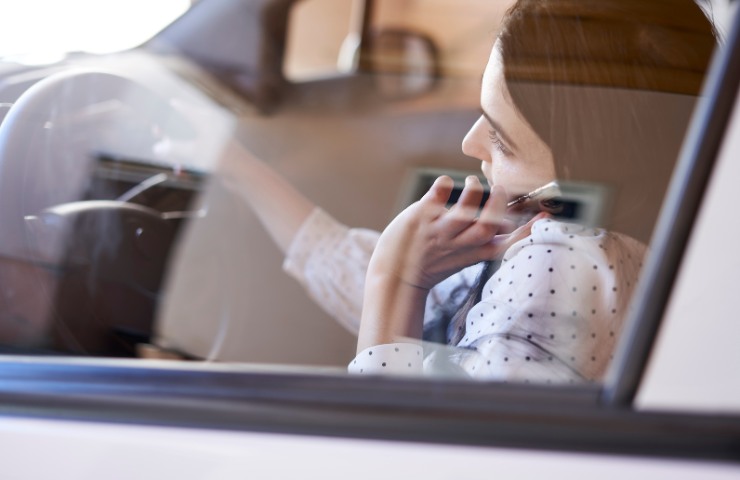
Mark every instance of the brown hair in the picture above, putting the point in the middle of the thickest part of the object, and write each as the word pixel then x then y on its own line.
pixel 609 86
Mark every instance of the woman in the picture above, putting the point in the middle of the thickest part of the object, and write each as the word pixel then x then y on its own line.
pixel 573 91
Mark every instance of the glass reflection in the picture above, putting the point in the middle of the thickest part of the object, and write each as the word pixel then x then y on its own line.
pixel 143 217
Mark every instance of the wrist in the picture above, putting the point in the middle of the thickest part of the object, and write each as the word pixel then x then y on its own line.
pixel 394 285
pixel 392 309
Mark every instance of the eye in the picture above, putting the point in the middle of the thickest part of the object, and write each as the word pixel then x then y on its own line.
pixel 497 142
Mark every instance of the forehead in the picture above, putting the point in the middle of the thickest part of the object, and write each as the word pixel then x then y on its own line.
pixel 496 100
pixel 493 83
pixel 495 97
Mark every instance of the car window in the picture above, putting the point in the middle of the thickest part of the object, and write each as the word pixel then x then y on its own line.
pixel 219 198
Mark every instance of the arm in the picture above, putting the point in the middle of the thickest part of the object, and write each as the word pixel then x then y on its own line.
pixel 327 258
pixel 280 207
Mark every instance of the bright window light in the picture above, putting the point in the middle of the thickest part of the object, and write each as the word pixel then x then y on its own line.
pixel 47 28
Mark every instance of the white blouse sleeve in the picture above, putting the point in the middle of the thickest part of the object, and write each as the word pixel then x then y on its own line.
pixel 330 261
pixel 391 359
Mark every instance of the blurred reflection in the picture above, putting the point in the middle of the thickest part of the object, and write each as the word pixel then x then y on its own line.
pixel 595 97
pixel 86 236
pixel 577 92
pixel 130 208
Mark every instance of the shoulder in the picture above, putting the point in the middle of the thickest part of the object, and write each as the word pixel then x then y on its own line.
pixel 322 238
pixel 568 264
pixel 556 304
pixel 573 240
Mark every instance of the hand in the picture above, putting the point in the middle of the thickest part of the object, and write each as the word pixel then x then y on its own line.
pixel 428 242
pixel 422 246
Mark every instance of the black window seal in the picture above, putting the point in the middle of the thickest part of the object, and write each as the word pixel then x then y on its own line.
pixel 435 412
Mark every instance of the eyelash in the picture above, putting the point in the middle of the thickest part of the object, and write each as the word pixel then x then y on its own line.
pixel 493 135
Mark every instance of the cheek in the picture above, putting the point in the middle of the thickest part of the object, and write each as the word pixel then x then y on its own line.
pixel 502 169
pixel 514 176
pixel 485 167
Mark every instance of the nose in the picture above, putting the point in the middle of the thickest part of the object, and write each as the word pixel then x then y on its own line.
pixel 473 144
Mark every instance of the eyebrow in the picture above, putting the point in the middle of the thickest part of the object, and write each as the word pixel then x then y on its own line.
pixel 496 126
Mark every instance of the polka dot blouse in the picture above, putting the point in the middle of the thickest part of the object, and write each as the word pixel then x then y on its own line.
pixel 551 312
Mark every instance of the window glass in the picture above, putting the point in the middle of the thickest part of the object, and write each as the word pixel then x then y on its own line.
pixel 214 196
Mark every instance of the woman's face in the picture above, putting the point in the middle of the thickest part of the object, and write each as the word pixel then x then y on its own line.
pixel 511 153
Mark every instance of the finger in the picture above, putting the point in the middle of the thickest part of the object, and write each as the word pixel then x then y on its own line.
pixel 440 191
pixel 490 222
pixel 468 204
pixel 494 210
pixel 464 213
